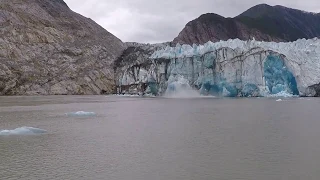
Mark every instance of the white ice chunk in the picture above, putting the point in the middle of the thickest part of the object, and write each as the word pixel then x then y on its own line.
pixel 22 131
pixel 81 113
pixel 128 95
pixel 279 100
pixel 305 99
pixel 281 94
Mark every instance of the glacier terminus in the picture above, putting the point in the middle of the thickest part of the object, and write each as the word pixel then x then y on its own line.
pixel 232 68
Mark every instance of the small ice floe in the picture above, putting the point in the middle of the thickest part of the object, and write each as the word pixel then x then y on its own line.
pixel 279 100
pixel 81 114
pixel 128 95
pixel 282 94
pixel 305 99
pixel 22 131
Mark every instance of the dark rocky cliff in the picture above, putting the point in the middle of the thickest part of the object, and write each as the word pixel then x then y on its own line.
pixel 46 48
pixel 263 22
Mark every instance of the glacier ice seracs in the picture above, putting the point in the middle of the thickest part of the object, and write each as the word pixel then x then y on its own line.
pixel 229 68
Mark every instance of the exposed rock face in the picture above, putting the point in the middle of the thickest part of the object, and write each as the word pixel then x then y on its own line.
pixel 228 68
pixel 314 90
pixel 286 23
pixel 212 27
pixel 45 48
pixel 135 59
pixel 263 22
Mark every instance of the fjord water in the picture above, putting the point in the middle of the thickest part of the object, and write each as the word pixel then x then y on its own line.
pixel 161 139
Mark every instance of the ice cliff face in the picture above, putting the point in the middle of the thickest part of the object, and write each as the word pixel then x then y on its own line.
pixel 46 48
pixel 226 68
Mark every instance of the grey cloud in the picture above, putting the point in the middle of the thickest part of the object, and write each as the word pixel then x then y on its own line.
pixel 161 20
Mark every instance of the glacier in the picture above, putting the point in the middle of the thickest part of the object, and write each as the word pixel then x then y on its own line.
pixel 232 68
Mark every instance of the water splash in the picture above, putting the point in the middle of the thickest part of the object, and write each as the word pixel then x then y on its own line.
pixel 179 87
pixel 284 94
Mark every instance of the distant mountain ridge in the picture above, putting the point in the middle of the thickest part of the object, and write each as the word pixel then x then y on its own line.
pixel 262 22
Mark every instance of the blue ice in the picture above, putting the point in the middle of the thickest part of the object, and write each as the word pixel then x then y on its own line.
pixel 278 78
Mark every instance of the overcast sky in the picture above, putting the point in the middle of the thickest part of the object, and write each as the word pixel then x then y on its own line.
pixel 152 21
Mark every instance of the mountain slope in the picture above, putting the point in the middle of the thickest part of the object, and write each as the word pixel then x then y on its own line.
pixel 286 23
pixel 45 48
pixel 212 27
pixel 263 22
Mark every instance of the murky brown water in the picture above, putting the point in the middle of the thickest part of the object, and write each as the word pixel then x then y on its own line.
pixel 161 139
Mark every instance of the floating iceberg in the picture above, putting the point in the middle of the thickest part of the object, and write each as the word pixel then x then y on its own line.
pixel 128 95
pixel 81 113
pixel 279 100
pixel 23 131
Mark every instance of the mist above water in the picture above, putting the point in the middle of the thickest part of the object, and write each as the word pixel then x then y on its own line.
pixel 183 93
pixel 180 88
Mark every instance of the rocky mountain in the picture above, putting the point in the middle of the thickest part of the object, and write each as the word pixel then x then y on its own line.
pixel 263 22
pixel 46 48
